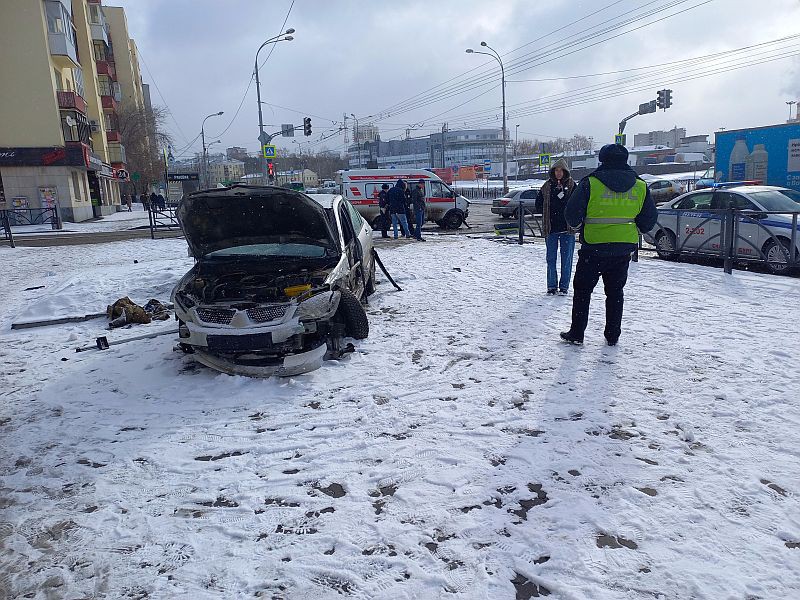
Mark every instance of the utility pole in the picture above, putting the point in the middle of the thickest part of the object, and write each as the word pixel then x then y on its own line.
pixel 357 139
pixel 516 147
pixel 444 131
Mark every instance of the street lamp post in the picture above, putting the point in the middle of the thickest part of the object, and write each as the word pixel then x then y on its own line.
pixel 262 137
pixel 203 137
pixel 496 56
pixel 791 103
pixel 516 147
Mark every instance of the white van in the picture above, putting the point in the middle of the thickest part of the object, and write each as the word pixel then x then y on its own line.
pixel 362 186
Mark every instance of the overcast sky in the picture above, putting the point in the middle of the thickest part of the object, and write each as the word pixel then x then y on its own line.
pixel 364 57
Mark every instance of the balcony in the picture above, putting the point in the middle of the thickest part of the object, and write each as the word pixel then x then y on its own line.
pixel 61 35
pixel 71 100
pixel 106 67
pixel 109 103
pixel 113 136
pixel 116 155
pixel 100 32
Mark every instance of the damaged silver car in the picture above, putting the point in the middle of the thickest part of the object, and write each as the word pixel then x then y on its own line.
pixel 279 279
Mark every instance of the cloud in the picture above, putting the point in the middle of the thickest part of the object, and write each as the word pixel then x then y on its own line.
pixel 356 57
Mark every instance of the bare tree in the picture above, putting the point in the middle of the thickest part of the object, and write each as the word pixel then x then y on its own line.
pixel 143 133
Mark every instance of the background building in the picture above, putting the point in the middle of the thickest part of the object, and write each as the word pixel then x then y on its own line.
pixel 236 152
pixel 60 143
pixel 670 139
pixel 451 148
pixel 224 172
pixel 306 176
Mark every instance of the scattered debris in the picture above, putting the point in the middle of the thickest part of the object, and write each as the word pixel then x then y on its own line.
pixel 125 311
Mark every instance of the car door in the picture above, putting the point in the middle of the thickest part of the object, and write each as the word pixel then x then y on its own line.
pixel 655 192
pixel 363 234
pixel 528 198
pixel 695 225
pixel 751 236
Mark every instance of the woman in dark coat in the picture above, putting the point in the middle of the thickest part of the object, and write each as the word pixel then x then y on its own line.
pixel 551 202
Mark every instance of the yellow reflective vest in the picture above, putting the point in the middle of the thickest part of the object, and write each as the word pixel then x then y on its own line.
pixel 611 216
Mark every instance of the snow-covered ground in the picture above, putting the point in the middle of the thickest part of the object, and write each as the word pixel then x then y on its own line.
pixel 462 452
pixel 119 221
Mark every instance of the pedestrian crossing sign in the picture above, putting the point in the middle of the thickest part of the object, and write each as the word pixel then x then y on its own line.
pixel 544 160
pixel 269 151
pixel 620 139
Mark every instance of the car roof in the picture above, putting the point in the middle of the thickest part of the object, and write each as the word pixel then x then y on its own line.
pixel 324 200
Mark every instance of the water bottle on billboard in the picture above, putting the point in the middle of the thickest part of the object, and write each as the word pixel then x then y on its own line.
pixel 737 167
pixel 757 164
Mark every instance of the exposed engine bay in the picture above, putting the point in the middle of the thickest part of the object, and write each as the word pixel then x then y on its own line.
pixel 221 285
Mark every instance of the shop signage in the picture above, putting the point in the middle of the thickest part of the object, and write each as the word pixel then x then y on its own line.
pixel 52 156
pixel 183 176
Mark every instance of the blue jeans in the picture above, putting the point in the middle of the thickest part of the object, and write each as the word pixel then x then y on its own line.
pixel 419 216
pixel 567 243
pixel 403 222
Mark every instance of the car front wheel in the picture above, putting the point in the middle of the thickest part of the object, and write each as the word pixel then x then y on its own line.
pixel 351 312
pixel 453 219
pixel 665 244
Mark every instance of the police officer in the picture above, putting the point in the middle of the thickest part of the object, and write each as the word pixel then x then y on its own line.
pixel 613 205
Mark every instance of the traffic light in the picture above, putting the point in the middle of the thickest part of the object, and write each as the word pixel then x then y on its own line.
pixel 307 126
pixel 664 99
pixel 271 170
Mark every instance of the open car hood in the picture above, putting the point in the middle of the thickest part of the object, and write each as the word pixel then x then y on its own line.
pixel 243 215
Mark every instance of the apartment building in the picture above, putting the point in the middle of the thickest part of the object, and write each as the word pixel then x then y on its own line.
pixel 305 176
pixel 60 145
pixel 671 138
pixel 224 172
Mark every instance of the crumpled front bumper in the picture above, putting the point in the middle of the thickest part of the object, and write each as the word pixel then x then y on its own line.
pixel 285 366
pixel 285 346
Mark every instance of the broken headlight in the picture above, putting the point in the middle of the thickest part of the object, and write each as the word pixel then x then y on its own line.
pixel 318 306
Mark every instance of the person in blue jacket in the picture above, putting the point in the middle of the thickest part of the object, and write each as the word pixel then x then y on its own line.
pixel 397 208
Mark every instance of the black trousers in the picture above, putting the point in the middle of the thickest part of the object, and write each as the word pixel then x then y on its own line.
pixel 614 271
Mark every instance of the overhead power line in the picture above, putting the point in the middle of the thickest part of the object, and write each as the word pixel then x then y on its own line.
pixel 164 100
pixel 578 99
pixel 663 68
pixel 553 51
pixel 252 76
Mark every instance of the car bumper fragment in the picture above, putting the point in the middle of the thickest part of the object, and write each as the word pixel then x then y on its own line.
pixel 286 366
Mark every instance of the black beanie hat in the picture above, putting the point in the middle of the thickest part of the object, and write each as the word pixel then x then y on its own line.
pixel 614 155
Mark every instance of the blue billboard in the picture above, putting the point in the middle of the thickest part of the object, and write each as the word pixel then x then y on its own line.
pixel 767 154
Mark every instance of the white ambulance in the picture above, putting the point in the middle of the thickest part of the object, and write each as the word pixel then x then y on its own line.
pixel 362 186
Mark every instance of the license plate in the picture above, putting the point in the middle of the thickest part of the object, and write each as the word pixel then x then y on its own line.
pixel 240 343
